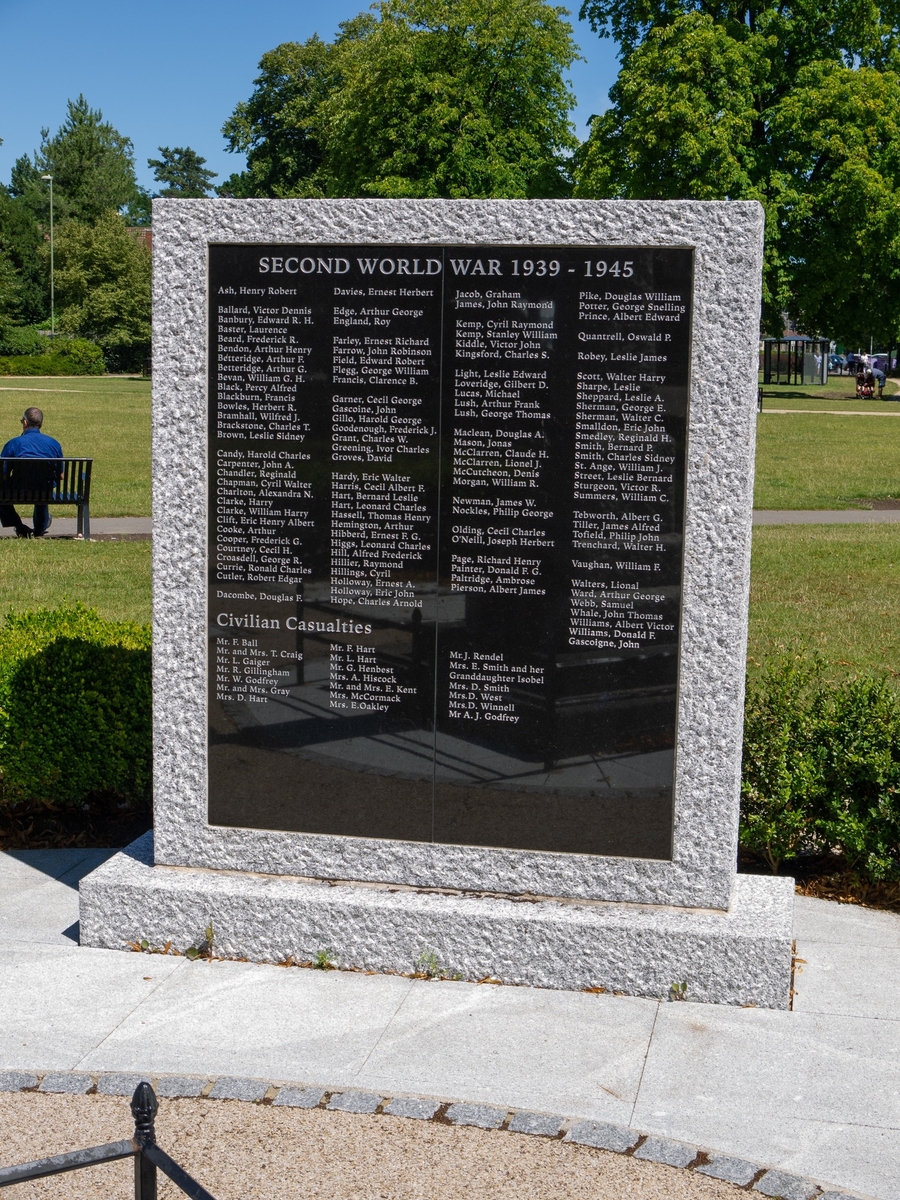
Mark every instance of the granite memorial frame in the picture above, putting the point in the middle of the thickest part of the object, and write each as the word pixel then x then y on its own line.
pixel 726 240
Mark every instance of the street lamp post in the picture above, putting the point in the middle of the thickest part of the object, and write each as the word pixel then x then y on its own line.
pixel 52 281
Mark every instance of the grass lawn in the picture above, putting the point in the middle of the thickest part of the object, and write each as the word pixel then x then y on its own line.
pixel 113 577
pixel 812 461
pixel 838 395
pixel 831 588
pixel 105 418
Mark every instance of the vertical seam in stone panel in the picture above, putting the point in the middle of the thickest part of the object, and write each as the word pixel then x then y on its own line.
pixel 437 550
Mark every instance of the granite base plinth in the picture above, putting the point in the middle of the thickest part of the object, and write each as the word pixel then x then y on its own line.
pixel 739 956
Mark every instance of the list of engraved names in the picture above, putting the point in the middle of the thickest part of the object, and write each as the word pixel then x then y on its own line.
pixel 455 477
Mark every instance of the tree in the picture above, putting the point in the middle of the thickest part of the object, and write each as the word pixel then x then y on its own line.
pixel 793 106
pixel 184 172
pixel 103 288
pixel 276 128
pixel 421 98
pixel 27 288
pixel 92 166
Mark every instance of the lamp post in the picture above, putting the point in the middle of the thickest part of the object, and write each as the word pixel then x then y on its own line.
pixel 52 281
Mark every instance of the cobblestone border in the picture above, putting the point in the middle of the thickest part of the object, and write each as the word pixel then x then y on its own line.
pixel 618 1139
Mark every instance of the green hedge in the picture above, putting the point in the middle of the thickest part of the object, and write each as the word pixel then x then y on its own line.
pixel 69 356
pixel 821 770
pixel 75 704
pixel 22 339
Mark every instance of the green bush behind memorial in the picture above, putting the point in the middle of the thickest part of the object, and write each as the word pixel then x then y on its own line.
pixel 24 352
pixel 821 768
pixel 75 708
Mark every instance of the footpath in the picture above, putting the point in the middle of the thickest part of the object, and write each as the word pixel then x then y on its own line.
pixel 811 1095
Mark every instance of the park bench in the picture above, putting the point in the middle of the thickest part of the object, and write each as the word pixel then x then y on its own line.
pixel 29 481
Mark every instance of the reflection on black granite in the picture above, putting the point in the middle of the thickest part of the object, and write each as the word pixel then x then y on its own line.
pixel 446 525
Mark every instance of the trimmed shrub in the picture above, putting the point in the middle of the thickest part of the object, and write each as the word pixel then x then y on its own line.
pixel 22 339
pixel 821 772
pixel 70 356
pixel 82 356
pixel 75 705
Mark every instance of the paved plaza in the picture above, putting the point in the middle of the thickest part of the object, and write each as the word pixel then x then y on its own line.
pixel 814 1092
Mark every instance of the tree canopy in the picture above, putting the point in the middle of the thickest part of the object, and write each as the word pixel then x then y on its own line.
pixel 92 166
pixel 183 171
pixel 793 105
pixel 103 288
pixel 443 98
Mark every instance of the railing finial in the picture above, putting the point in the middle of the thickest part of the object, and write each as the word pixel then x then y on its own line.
pixel 144 1107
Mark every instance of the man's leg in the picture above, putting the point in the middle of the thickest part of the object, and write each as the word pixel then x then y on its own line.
pixel 41 519
pixel 9 516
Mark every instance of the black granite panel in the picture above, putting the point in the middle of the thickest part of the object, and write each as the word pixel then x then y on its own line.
pixel 446 526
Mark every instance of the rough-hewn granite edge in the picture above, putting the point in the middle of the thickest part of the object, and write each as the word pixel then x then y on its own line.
pixel 742 956
pixel 422 1108
pixel 727 238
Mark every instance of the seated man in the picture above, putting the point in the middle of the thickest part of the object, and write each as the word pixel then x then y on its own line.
pixel 30 443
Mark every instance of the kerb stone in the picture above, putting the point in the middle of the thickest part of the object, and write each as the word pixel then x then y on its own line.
pixel 603 1136
pixel 667 1152
pixel 785 1187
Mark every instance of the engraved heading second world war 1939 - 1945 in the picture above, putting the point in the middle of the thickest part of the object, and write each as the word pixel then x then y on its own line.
pixel 445 541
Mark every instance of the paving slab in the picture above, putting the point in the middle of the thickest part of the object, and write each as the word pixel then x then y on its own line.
pixel 58 1002
pixel 248 1019
pixel 21 870
pixel 847 980
pixel 412 1108
pixel 732 1170
pixel 118 1084
pixel 603 1136
pixel 765 1086
pixel 67 1082
pixel 785 1187
pixel 856 1158
pixel 845 924
pixel 17 1081
pixel 483 1116
pixel 524 1047
pixel 39 893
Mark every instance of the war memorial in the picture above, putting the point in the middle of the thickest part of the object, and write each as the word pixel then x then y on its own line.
pixel 452 516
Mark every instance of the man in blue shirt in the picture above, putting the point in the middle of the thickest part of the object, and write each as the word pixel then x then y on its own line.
pixel 30 443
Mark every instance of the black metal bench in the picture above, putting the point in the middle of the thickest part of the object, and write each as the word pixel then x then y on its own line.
pixel 32 481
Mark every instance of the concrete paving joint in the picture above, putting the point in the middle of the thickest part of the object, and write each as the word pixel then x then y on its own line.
pixel 616 1139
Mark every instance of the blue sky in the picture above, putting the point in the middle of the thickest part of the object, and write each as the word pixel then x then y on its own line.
pixel 170 72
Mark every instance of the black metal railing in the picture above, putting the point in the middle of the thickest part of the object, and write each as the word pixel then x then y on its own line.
pixel 141 1147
